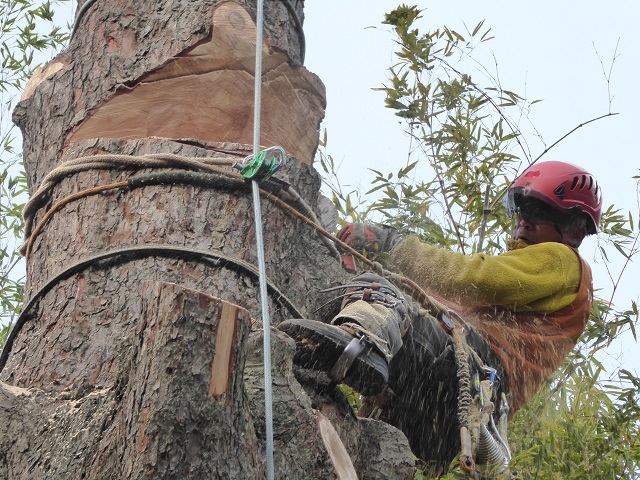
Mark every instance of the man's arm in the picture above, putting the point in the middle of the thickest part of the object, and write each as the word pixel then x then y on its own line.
pixel 543 277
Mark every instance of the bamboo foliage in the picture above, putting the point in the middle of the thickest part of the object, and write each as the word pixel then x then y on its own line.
pixel 27 29
pixel 464 151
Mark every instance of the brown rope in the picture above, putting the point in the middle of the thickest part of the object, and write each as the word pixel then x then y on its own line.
pixel 125 184
pixel 101 162
pixel 161 160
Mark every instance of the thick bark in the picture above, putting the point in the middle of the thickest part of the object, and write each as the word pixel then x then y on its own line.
pixel 147 361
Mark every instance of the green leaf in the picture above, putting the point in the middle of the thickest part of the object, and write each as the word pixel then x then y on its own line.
pixel 404 171
pixel 457 35
pixel 477 29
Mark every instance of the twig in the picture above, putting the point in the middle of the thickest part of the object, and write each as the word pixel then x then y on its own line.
pixel 11 267
pixel 607 77
pixel 485 217
pixel 447 206
pixel 506 119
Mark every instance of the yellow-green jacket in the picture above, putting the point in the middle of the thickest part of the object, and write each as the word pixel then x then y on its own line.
pixel 530 303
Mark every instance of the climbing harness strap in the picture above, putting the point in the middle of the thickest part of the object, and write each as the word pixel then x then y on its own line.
pixel 484 449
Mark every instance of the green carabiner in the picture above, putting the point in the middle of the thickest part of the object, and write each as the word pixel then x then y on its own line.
pixel 260 167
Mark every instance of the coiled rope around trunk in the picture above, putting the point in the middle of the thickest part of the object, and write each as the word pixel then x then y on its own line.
pixel 184 170
pixel 280 194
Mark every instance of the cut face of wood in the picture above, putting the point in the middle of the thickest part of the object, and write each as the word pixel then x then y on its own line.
pixel 207 93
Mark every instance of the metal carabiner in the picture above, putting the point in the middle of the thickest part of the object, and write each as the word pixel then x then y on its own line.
pixel 262 166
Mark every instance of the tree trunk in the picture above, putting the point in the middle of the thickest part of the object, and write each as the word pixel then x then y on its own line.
pixel 139 351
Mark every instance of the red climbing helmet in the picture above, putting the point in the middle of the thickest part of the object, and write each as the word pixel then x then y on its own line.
pixel 565 187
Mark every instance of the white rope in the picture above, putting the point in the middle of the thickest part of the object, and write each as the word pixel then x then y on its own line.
pixel 266 322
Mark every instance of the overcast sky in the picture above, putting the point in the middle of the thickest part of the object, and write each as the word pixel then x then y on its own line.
pixel 549 50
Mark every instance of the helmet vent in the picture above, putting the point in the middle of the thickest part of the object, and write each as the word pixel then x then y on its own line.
pixel 559 192
pixel 584 180
pixel 574 183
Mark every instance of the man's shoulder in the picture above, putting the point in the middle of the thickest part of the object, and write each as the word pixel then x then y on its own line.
pixel 557 250
pixel 554 247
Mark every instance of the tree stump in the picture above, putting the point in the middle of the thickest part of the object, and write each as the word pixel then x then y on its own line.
pixel 139 353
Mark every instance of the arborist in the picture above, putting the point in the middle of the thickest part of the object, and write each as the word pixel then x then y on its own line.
pixel 520 312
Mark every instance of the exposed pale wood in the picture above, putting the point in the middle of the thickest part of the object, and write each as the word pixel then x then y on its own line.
pixel 206 93
pixel 337 451
pixel 222 365
pixel 118 44
pixel 39 75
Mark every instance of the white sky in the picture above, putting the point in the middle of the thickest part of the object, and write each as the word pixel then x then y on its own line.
pixel 544 50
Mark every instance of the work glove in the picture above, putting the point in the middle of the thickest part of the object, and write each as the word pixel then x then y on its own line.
pixel 371 239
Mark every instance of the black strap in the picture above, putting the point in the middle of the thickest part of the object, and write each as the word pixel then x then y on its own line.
pixel 128 254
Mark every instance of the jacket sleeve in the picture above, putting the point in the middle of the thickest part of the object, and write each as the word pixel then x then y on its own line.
pixel 543 277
